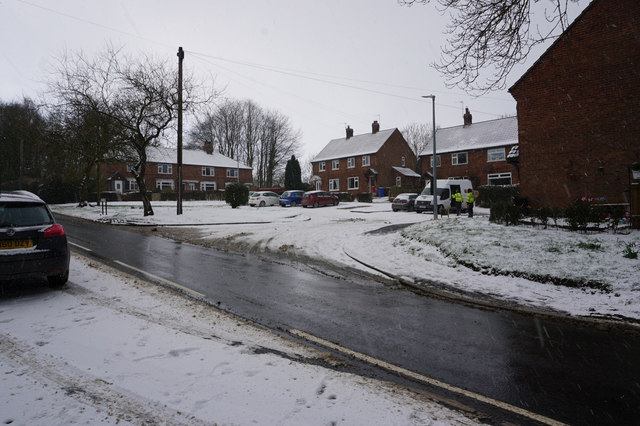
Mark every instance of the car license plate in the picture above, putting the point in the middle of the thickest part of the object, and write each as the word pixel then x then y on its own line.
pixel 14 244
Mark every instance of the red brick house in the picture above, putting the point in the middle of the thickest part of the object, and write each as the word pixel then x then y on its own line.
pixel 201 171
pixel 484 153
pixel 364 163
pixel 577 106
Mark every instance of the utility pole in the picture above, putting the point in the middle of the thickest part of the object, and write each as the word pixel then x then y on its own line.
pixel 180 58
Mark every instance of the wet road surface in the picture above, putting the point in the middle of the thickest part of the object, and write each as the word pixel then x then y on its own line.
pixel 568 373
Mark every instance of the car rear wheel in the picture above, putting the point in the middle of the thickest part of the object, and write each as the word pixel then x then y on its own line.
pixel 335 202
pixel 315 205
pixel 262 204
pixel 293 204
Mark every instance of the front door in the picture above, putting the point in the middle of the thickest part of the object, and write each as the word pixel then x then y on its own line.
pixel 118 186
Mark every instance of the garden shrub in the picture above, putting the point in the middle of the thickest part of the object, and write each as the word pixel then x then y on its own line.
pixel 236 195
pixel 364 197
pixel 491 194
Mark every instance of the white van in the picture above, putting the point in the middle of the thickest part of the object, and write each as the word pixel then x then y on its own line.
pixel 445 187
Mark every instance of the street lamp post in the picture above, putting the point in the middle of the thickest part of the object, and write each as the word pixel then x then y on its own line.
pixel 434 186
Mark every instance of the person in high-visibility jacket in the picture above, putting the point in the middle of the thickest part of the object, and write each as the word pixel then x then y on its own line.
pixel 470 200
pixel 457 199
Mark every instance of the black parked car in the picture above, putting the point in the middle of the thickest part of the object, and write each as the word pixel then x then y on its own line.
pixel 32 244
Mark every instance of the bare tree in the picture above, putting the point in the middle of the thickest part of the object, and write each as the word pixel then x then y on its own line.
pixel 418 136
pixel 487 38
pixel 243 130
pixel 278 141
pixel 138 95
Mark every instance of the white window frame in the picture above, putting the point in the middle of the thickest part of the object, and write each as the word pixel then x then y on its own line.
pixel 165 169
pixel 334 184
pixel 455 158
pixel 204 185
pixel 132 185
pixel 322 166
pixel 335 165
pixel 208 171
pixel 366 161
pixel 438 161
pixel 495 154
pixel 351 162
pixel 162 183
pixel 232 173
pixel 353 183
pixel 499 176
pixel 398 180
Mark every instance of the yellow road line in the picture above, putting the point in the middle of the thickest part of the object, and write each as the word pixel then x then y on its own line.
pixel 171 283
pixel 408 373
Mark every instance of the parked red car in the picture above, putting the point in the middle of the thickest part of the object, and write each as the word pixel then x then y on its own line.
pixel 319 198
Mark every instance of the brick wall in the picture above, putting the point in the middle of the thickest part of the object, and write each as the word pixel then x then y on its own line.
pixel 189 173
pixel 477 168
pixel 577 110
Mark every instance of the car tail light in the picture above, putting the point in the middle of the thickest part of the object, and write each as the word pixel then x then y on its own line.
pixel 56 230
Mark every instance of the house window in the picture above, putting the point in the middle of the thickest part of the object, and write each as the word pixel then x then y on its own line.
pixel 208 186
pixel 164 184
pixel 366 161
pixel 353 183
pixel 132 185
pixel 499 179
pixel 351 162
pixel 232 173
pixel 208 171
pixel 398 181
pixel 335 164
pixel 165 169
pixel 495 154
pixel 404 162
pixel 322 166
pixel 437 161
pixel 459 158
pixel 189 186
pixel 334 185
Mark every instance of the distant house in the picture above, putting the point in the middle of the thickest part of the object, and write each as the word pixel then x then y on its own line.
pixel 578 110
pixel 201 171
pixel 481 152
pixel 364 163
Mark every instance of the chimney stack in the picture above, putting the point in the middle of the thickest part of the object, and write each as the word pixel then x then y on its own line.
pixel 349 132
pixel 208 147
pixel 467 117
pixel 375 127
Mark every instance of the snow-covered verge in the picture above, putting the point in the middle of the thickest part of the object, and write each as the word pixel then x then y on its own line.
pixel 113 349
pixel 518 265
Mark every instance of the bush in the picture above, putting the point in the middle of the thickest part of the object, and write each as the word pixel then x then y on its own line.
pixel 345 196
pixel 236 195
pixel 488 195
pixel 543 214
pixel 57 192
pixel 507 213
pixel 578 215
pixel 365 197
pixel 395 190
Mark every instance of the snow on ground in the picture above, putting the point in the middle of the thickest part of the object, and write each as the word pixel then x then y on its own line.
pixel 427 250
pixel 112 349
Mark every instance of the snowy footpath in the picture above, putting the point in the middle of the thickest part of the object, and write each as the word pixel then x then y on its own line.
pixel 113 349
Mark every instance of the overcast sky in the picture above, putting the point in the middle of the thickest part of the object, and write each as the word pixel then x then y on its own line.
pixel 322 63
